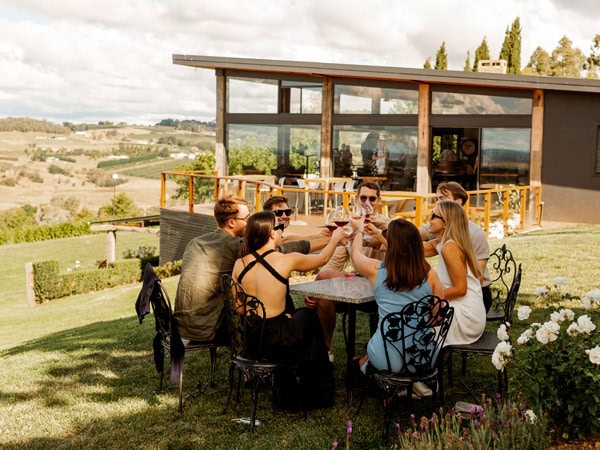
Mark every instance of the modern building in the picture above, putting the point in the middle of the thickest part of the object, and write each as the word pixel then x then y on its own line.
pixel 481 129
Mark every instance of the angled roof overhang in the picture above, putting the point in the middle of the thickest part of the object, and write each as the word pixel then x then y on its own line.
pixel 333 70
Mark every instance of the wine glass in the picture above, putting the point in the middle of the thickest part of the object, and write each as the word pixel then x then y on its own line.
pixel 368 210
pixel 357 211
pixel 341 217
pixel 330 222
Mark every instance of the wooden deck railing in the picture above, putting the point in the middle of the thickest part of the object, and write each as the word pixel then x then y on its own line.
pixel 514 208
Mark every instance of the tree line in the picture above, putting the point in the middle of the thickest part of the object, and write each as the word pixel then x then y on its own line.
pixel 564 61
pixel 26 124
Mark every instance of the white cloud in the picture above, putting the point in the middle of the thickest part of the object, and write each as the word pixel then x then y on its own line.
pixel 112 59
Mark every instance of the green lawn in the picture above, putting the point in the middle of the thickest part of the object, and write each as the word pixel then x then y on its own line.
pixel 78 373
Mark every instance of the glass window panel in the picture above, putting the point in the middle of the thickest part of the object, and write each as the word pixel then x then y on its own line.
pixel 374 100
pixel 505 154
pixel 305 97
pixel 278 149
pixel 252 95
pixel 355 146
pixel 455 103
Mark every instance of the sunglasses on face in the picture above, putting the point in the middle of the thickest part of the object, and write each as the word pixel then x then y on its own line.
pixel 364 198
pixel 281 212
pixel 279 227
pixel 435 216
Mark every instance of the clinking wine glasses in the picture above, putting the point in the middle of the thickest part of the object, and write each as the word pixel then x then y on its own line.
pixel 341 217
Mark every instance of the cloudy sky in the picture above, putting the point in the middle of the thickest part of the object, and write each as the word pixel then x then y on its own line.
pixel 93 60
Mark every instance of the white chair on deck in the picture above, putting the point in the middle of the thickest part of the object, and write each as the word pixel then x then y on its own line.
pixel 338 186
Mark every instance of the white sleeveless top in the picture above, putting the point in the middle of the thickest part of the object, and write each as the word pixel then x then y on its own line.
pixel 469 320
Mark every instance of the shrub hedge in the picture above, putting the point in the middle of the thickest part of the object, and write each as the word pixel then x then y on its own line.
pixel 49 284
pixel 45 232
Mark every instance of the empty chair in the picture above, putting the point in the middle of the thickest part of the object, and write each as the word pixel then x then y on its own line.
pixel 167 336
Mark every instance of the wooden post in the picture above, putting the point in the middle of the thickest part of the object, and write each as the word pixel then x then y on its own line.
pixel 111 240
pixel 29 292
pixel 424 141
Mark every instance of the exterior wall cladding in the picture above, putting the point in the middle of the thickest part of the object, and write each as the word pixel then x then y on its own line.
pixel 570 188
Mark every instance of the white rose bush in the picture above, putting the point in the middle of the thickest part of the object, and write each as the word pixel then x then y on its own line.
pixel 556 364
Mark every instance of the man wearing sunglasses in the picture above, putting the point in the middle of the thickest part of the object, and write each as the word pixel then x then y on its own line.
pixel 451 190
pixel 283 213
pixel 367 193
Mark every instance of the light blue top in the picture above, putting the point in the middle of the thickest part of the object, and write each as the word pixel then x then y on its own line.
pixel 389 301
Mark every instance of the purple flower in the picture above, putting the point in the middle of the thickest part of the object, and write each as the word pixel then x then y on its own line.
pixel 412 419
pixel 334 446
pixel 349 428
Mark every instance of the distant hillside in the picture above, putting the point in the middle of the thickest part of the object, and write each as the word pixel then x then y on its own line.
pixel 25 124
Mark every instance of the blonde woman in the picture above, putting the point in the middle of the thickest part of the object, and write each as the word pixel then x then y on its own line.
pixel 458 271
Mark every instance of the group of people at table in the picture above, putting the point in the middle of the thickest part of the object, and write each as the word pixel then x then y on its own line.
pixel 256 251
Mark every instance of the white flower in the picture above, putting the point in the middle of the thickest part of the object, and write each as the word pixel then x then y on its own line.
pixel 501 354
pixel 502 333
pixel 594 355
pixel 592 296
pixel 561 281
pixel 587 303
pixel 562 315
pixel 523 312
pixel 530 416
pixel 525 336
pixel 573 329
pixel 548 332
pixel 586 326
pixel 541 291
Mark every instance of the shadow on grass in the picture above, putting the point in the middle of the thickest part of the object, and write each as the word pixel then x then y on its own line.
pixel 95 387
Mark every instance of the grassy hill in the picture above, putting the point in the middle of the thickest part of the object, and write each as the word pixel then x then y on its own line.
pixel 30 174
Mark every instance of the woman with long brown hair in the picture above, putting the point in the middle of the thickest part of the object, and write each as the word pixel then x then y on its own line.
pixel 403 277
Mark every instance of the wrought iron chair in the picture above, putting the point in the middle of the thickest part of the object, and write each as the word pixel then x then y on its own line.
pixel 488 341
pixel 413 338
pixel 167 336
pixel 503 269
pixel 243 311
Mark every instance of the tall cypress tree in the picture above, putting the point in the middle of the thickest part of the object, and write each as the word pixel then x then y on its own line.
pixel 506 45
pixel 441 58
pixel 482 52
pixel 468 62
pixel 514 60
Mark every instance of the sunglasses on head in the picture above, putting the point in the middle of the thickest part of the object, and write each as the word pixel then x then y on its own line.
pixel 281 212
pixel 279 227
pixel 435 216
pixel 364 198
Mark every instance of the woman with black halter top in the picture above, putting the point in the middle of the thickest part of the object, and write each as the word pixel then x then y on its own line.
pixel 264 273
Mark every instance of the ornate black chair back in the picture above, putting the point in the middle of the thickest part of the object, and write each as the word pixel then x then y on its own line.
pixel 416 334
pixel 503 270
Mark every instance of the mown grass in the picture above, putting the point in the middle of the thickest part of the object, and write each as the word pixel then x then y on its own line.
pixel 78 372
